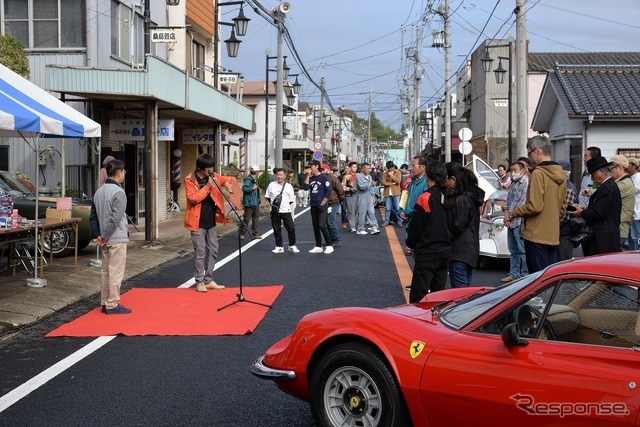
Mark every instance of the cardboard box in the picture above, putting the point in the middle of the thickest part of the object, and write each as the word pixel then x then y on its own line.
pixel 58 213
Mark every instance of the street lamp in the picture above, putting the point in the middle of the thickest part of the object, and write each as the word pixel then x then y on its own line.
pixel 500 74
pixel 239 26
pixel 296 85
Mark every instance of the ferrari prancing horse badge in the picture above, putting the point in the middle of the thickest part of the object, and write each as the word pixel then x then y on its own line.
pixel 416 349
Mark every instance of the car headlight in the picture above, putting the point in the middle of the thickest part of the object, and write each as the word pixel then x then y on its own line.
pixel 498 224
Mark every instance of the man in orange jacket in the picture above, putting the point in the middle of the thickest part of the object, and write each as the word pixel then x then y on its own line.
pixel 205 208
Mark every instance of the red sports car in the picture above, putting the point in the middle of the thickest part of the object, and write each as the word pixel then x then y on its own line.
pixel 560 346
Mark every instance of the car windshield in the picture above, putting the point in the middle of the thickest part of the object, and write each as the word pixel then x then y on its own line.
pixel 458 315
pixel 10 185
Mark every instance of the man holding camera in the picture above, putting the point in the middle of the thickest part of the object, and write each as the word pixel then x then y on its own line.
pixel 603 213
pixel 205 208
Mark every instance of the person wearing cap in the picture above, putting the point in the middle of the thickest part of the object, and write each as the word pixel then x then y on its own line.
pixel 103 170
pixel 619 168
pixel 251 203
pixel 603 213
pixel 634 228
pixel 544 206
pixel 335 204
pixel 565 250
pixel 319 187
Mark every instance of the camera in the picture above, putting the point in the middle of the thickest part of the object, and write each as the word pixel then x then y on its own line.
pixel 580 231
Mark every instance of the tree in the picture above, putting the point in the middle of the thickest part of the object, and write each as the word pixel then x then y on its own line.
pixel 12 56
pixel 379 132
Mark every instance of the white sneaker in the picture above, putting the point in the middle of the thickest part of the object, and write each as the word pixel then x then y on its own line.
pixel 361 233
pixel 278 250
pixel 328 250
pixel 316 250
pixel 375 231
pixel 353 230
pixel 294 249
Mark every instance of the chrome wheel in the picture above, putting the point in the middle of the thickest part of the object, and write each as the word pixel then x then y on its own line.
pixel 351 397
pixel 57 242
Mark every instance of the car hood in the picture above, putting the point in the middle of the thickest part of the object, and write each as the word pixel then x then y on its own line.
pixel 423 309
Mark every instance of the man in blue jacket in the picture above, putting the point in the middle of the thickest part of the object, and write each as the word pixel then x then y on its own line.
pixel 416 188
pixel 251 202
pixel 319 196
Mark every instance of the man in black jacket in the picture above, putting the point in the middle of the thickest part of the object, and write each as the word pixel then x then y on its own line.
pixel 603 212
pixel 429 236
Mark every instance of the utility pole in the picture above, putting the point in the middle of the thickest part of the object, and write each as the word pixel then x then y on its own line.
pixel 279 92
pixel 368 141
pixel 522 130
pixel 321 131
pixel 417 77
pixel 447 82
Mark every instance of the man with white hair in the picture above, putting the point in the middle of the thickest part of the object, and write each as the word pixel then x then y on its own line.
pixel 619 168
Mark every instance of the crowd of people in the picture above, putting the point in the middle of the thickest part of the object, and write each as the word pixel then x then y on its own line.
pixel 438 205
pixel 548 216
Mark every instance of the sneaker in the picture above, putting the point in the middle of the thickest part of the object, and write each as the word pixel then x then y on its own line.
pixel 353 230
pixel 384 224
pixel 361 233
pixel 336 243
pixel 408 252
pixel 242 237
pixel 278 250
pixel 316 250
pixel 294 249
pixel 328 250
pixel 400 225
pixel 200 287
pixel 118 309
pixel 344 226
pixel 375 231
pixel 408 288
pixel 257 236
pixel 507 279
pixel 213 286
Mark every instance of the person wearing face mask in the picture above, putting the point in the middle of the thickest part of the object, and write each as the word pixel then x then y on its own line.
pixel 517 196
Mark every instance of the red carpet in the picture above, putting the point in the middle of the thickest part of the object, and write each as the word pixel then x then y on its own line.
pixel 176 312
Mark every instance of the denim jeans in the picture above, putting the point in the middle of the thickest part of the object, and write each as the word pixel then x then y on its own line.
pixel 331 222
pixel 518 258
pixel 391 205
pixel 460 274
pixel 634 235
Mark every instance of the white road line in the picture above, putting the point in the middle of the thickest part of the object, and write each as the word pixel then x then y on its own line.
pixel 47 375
pixel 42 378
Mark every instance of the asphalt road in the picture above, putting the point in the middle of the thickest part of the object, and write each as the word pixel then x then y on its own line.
pixel 199 380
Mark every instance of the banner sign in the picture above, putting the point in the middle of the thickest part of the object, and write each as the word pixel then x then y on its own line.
pixel 198 136
pixel 133 130
pixel 163 36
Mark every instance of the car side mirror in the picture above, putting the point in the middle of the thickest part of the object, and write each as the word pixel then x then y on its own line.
pixel 511 336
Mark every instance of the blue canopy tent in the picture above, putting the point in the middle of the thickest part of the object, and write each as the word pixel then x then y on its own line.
pixel 28 111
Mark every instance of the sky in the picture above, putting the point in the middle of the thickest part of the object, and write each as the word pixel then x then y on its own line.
pixel 359 46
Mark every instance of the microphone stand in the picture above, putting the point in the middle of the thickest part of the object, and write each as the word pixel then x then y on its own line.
pixel 242 228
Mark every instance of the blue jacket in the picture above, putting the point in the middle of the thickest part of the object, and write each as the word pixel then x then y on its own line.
pixel 416 188
pixel 320 187
pixel 250 197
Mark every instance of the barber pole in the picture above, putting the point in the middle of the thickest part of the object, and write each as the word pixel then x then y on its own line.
pixel 243 155
pixel 177 171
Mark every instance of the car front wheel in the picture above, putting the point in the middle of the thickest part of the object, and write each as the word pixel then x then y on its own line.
pixel 353 386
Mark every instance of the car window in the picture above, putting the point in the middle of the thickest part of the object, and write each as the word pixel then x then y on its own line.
pixel 458 315
pixel 578 311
